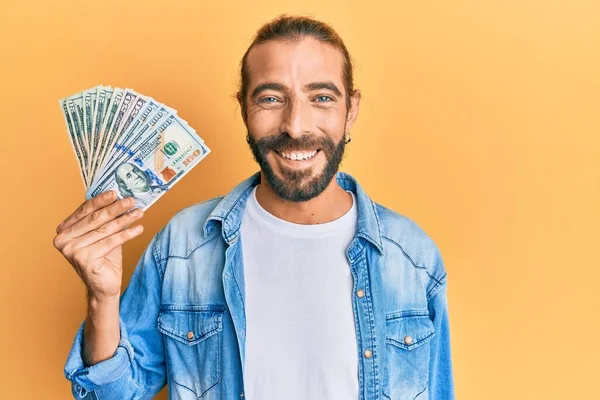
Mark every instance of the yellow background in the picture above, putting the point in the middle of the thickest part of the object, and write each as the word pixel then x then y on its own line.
pixel 479 120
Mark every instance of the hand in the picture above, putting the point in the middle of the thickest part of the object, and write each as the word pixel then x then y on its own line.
pixel 91 240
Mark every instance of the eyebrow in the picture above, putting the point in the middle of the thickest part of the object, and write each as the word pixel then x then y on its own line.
pixel 267 86
pixel 324 85
pixel 281 88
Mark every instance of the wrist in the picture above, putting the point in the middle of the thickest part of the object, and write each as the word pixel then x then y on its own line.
pixel 102 299
pixel 101 308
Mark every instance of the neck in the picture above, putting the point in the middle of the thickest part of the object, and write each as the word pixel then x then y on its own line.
pixel 331 204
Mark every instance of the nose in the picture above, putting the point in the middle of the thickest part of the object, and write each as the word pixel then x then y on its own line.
pixel 297 118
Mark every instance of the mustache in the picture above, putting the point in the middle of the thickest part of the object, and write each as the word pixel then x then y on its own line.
pixel 286 143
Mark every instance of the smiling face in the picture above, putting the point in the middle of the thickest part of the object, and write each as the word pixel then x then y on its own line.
pixel 296 114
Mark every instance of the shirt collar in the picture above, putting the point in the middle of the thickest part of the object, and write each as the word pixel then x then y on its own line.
pixel 230 209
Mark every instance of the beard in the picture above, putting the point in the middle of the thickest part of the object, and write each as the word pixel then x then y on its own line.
pixel 297 185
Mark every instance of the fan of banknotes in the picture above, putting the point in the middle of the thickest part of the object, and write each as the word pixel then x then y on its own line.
pixel 129 143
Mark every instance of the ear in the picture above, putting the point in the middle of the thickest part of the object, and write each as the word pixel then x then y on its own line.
pixel 353 110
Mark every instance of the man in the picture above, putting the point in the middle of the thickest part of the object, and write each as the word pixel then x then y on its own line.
pixel 295 285
pixel 132 181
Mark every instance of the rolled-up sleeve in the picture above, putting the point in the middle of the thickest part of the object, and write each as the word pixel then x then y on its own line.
pixel 137 368
pixel 441 381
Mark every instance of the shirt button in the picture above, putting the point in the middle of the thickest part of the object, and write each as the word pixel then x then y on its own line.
pixel 407 340
pixel 190 335
pixel 360 293
pixel 368 353
pixel 242 395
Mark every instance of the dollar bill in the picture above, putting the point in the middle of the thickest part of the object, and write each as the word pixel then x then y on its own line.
pixel 123 140
pixel 143 130
pixel 128 100
pixel 128 142
pixel 130 116
pixel 112 109
pixel 89 104
pixel 109 94
pixel 102 102
pixel 75 108
pixel 165 156
pixel 73 140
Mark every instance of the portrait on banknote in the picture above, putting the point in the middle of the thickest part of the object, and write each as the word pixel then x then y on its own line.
pixel 132 181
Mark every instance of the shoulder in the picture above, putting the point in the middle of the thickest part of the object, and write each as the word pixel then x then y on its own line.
pixel 194 214
pixel 184 233
pixel 403 236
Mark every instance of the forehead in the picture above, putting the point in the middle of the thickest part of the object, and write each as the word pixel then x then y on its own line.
pixel 295 63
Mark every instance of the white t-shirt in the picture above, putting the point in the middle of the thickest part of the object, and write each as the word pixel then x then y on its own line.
pixel 300 332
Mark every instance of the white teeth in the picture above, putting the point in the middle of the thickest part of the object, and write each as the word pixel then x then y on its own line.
pixel 299 155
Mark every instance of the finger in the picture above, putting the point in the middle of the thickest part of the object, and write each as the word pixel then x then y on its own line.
pixel 102 247
pixel 111 227
pixel 97 218
pixel 87 208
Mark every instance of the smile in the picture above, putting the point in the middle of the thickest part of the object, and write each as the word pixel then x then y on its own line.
pixel 299 155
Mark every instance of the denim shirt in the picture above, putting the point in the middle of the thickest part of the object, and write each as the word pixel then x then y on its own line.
pixel 182 317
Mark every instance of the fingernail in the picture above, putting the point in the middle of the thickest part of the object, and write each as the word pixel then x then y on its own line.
pixel 109 195
pixel 137 229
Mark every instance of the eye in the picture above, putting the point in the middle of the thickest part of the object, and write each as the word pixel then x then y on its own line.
pixel 128 175
pixel 324 99
pixel 268 100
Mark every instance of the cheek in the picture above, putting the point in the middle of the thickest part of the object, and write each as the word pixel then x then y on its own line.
pixel 332 123
pixel 264 122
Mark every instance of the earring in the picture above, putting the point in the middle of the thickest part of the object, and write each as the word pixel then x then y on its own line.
pixel 348 138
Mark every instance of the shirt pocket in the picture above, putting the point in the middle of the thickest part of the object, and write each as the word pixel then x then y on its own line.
pixel 193 342
pixel 406 369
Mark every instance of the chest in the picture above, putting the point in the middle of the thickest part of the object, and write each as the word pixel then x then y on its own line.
pixel 214 292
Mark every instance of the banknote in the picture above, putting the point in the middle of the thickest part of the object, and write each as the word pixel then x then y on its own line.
pixel 164 157
pixel 89 104
pixel 128 100
pixel 130 143
pixel 102 102
pixel 111 111
pixel 74 108
pixel 73 139
pixel 129 135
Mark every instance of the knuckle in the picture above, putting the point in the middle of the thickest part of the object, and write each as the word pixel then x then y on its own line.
pixel 79 257
pixel 95 216
pixel 126 203
pixel 82 210
pixel 102 230
pixel 134 215
pixel 67 250
pixel 57 242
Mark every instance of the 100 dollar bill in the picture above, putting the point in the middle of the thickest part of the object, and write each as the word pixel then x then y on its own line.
pixel 162 159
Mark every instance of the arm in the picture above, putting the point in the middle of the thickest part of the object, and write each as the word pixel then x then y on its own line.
pixel 441 384
pixel 136 370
